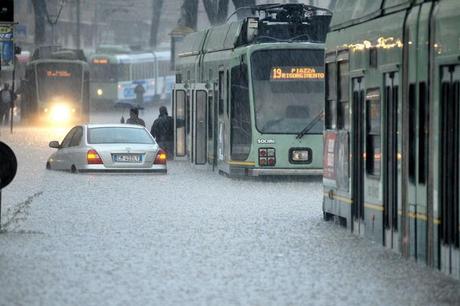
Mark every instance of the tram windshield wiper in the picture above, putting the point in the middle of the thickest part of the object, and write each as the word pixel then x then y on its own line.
pixel 310 125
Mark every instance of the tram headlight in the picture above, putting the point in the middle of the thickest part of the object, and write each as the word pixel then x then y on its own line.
pixel 100 92
pixel 300 155
pixel 60 113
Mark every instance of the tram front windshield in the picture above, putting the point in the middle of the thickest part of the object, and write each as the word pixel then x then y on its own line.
pixel 288 90
pixel 59 81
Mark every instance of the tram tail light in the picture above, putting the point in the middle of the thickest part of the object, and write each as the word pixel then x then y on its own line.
pixel 93 158
pixel 267 157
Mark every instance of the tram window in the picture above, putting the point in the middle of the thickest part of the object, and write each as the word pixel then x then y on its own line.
pixel 343 109
pixel 178 78
pixel 221 92
pixel 227 97
pixel 331 94
pixel 123 72
pixel 423 133
pixel 241 136
pixel 373 138
pixel 412 131
pixel 210 117
pixel 187 107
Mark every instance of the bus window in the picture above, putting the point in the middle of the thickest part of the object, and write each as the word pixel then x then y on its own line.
pixel 241 136
pixel 373 139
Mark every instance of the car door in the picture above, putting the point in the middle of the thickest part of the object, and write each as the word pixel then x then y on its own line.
pixel 75 155
pixel 61 157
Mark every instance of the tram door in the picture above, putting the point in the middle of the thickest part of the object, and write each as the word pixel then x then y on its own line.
pixel 358 167
pixel 179 104
pixel 450 170
pixel 199 129
pixel 391 164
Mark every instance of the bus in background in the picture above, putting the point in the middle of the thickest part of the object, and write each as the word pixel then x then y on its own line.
pixel 115 77
pixel 55 89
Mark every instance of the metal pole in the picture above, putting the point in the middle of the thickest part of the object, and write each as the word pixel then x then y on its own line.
pixel 78 24
pixel 12 90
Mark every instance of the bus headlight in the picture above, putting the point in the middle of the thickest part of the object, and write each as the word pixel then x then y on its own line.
pixel 100 92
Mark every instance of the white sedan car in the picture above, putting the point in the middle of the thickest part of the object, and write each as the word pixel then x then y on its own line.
pixel 108 148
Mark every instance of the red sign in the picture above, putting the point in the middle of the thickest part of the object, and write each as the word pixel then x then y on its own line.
pixel 330 141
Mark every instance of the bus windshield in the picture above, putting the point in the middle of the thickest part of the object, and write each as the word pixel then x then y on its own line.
pixel 288 90
pixel 59 81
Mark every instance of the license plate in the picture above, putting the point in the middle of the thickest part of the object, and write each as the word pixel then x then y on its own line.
pixel 127 158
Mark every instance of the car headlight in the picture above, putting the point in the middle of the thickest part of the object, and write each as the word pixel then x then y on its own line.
pixel 100 92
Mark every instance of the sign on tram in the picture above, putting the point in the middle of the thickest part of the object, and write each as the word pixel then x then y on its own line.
pixel 296 73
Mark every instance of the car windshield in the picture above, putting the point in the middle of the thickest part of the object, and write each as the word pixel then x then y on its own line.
pixel 108 135
pixel 288 90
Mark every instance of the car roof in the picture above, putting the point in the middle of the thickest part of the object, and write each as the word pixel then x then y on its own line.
pixel 116 125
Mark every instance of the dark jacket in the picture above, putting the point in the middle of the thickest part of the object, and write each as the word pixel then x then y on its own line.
pixel 163 129
pixel 134 120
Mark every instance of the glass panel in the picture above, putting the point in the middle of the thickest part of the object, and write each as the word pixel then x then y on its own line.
pixel 104 73
pixel 119 135
pixel 241 132
pixel 59 82
pixel 288 90
pixel 180 123
pixel 76 139
pixel 373 140
pixel 68 138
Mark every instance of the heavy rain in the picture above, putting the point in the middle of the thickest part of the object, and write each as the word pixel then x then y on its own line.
pixel 229 152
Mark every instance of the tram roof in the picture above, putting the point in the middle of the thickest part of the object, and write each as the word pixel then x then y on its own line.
pixel 286 19
pixel 348 13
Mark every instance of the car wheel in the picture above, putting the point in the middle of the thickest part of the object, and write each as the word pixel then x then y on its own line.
pixel 73 169
pixel 48 166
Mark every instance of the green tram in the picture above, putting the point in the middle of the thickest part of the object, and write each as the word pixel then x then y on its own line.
pixel 392 139
pixel 56 87
pixel 248 98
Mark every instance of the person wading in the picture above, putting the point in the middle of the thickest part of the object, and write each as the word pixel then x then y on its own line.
pixel 134 117
pixel 139 90
pixel 6 97
pixel 163 131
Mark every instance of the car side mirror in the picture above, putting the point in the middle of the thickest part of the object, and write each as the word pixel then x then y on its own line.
pixel 55 145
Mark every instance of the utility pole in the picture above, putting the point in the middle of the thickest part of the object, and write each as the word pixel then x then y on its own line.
pixel 78 24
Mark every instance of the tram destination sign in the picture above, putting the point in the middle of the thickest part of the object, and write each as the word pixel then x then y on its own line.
pixel 296 73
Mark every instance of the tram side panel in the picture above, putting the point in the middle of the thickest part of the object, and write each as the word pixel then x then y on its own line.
pixel 358 61
pixel 446 136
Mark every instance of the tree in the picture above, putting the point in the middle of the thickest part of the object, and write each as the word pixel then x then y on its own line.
pixel 40 10
pixel 189 14
pixel 216 10
pixel 157 6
